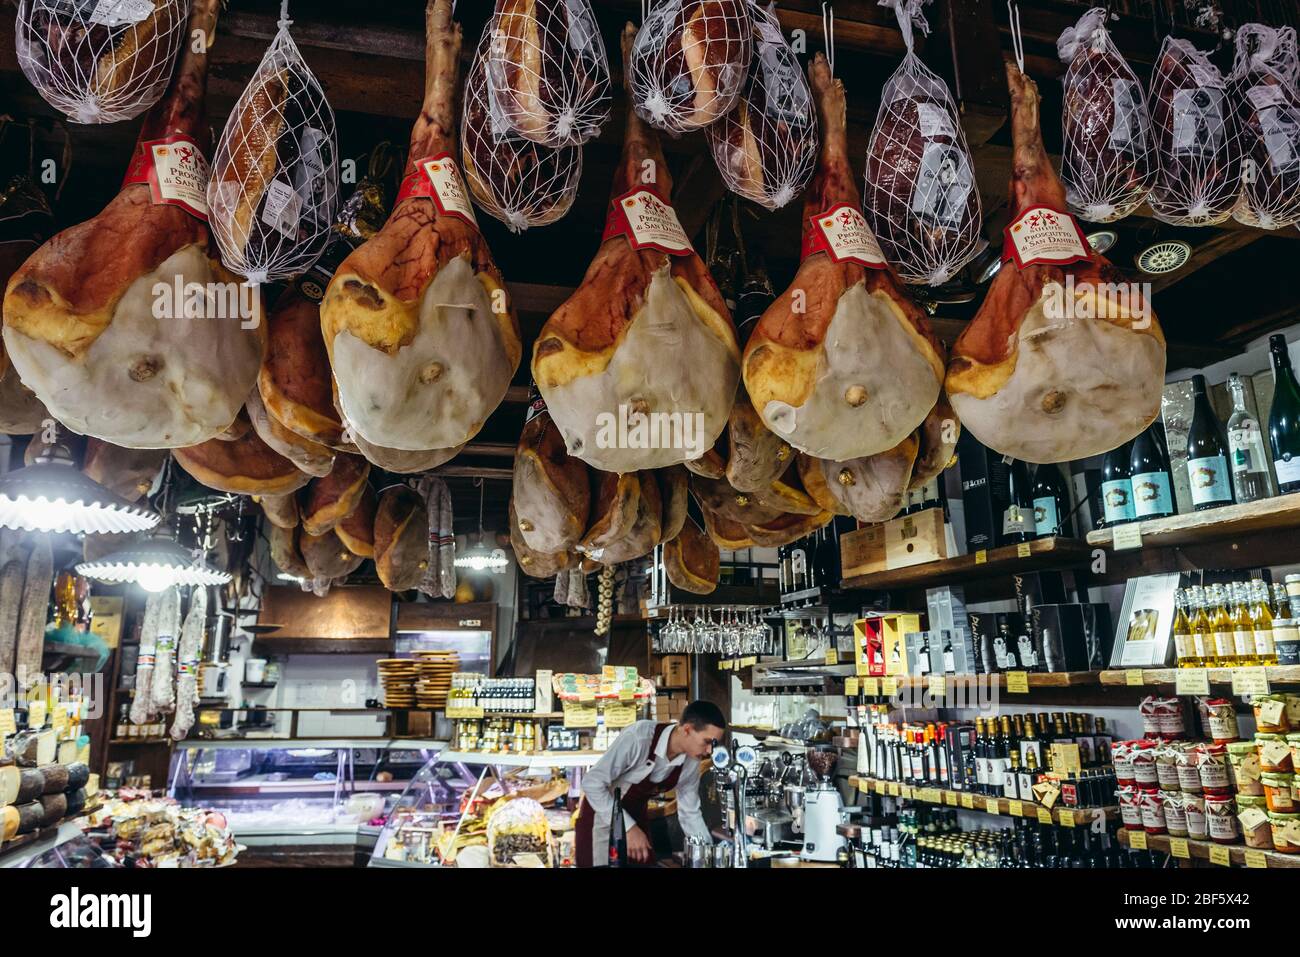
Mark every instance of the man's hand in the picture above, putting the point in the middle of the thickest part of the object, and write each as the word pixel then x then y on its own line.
pixel 638 846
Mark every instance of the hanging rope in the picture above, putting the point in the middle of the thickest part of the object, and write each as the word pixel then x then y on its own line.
pixel 828 31
pixel 1017 39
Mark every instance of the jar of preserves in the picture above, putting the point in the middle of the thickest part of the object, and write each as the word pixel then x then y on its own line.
pixel 1286 832
pixel 1144 765
pixel 1274 752
pixel 1175 813
pixel 1271 714
pixel 1252 815
pixel 1130 808
pixel 1121 756
pixel 1243 757
pixel 1194 809
pixel 1213 768
pixel 1221 719
pixel 1293 742
pixel 1189 770
pixel 1279 792
pixel 1286 641
pixel 1153 812
pixel 1167 767
pixel 1221 817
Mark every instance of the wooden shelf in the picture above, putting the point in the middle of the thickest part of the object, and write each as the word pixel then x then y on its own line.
pixel 1050 679
pixel 1268 515
pixel 1277 675
pixel 1200 850
pixel 124 741
pixel 1037 555
pixel 965 800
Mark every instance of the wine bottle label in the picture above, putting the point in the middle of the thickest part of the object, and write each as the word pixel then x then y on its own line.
pixel 1243 643
pixel 1287 468
pixel 1151 494
pixel 1117 500
pixel 1208 478
pixel 438 177
pixel 1016 520
pixel 1046 520
pixel 1198 648
pixel 1264 646
pixel 1225 645
pixel 1246 443
pixel 1184 647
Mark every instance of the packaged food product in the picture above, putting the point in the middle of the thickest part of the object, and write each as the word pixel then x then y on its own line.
pixel 1175 813
pixel 1271 713
pixel 1293 742
pixel 1286 832
pixel 1293 707
pixel 1162 718
pixel 1130 808
pixel 1221 816
pixel 1121 757
pixel 1197 823
pixel 1167 767
pixel 1253 817
pixel 1243 757
pixel 1286 641
pixel 1144 764
pixel 1152 804
pixel 1214 768
pixel 1274 752
pixel 1279 792
pixel 1189 770
pixel 1221 719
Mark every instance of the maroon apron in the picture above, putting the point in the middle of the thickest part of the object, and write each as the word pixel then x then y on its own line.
pixel 636 800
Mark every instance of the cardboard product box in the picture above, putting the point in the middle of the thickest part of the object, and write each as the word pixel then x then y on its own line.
pixel 863 551
pixel 940 651
pixel 946 607
pixel 915 539
pixel 984 629
pixel 893 629
pixel 544 692
pixel 676 670
pixel 868 647
pixel 983 517
pixel 1100 633
pixel 960 741
pixel 965 660
pixel 919 645
pixel 1144 636
pixel 1060 632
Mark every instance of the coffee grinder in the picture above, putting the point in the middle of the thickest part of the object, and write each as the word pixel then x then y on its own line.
pixel 823 809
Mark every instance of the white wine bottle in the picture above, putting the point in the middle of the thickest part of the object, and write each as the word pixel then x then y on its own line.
pixel 1246 443
pixel 1207 453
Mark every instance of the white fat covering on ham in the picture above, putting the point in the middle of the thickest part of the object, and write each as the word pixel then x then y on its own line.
pixel 667 362
pixel 148 383
pixel 866 346
pixel 1080 387
pixel 458 346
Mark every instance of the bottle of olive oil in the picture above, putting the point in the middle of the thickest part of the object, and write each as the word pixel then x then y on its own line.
pixel 1225 644
pixel 1243 631
pixel 1183 644
pixel 1202 629
pixel 1262 623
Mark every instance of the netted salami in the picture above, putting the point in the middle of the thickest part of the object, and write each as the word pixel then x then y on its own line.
pixel 273 190
pixel 100 61
pixel 1197 141
pixel 1262 90
pixel 766 146
pixel 516 180
pixel 689 62
pixel 548 76
pixel 1107 161
pixel 921 198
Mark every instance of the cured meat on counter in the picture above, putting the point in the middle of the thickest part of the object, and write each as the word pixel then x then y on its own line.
pixel 79 315
pixel 843 364
pixel 1064 358
pixel 646 333
pixel 421 335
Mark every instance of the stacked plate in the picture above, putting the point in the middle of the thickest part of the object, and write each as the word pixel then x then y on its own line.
pixel 398 676
pixel 434 679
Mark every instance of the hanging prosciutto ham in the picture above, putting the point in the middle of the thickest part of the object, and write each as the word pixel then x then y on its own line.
pixel 1064 358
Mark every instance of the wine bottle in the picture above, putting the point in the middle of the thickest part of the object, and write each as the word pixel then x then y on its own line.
pixel 1250 480
pixel 1051 503
pixel 1117 487
pixel 1018 516
pixel 1284 418
pixel 1153 495
pixel 1207 453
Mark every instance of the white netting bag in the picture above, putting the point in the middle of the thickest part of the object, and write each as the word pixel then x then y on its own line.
pixel 1197 141
pixel 1107 158
pixel 548 76
pixel 273 190
pixel 1262 90
pixel 515 180
pixel 100 61
pixel 766 147
pixel 921 198
pixel 689 62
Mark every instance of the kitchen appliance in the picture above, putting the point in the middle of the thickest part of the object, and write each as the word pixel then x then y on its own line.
pixel 212 679
pixel 733 766
pixel 823 809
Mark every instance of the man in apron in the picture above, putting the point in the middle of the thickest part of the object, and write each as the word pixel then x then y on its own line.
pixel 647 759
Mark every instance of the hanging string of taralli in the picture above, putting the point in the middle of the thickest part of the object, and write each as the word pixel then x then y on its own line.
pixel 1198 141
pixel 548 75
pixel 1262 90
pixel 514 179
pixel 689 62
pixel 604 599
pixel 766 146
pixel 920 197
pixel 1108 163
pixel 100 62
pixel 273 190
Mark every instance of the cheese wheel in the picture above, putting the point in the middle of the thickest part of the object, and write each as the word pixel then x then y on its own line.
pixel 76 801
pixel 78 775
pixel 31 785
pixel 10 779
pixel 47 746
pixel 29 816
pixel 54 809
pixel 56 778
pixel 8 823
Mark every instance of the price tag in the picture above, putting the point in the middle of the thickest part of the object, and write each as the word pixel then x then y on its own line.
pixel 1066 758
pixel 36 715
pixel 7 723
pixel 1023 550
pixel 1256 859
pixel 83 753
pixel 871 687
pixel 1249 681
pixel 950 798
pixel 1016 808
pixel 1018 682
pixel 1137 840
pixel 981 556
pixel 851 687
pixel 894 789
pixel 1219 855
pixel 993 805
pixel 59 720
pixel 832 656
pixel 579 716
pixel 1178 848
pixel 905 792
pixel 1066 817
pixel 934 796
pixel 1044 816
pixel 1133 678
pixel 938 686
pixel 1128 535
pixel 889 687
pixel 464 712
pixel 619 715
pixel 865 786
pixel 1192 681
pixel 968 800
pixel 1271 711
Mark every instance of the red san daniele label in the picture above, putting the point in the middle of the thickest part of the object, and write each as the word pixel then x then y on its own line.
pixel 438 177
pixel 1044 236
pixel 175 170
pixel 843 234
pixel 648 221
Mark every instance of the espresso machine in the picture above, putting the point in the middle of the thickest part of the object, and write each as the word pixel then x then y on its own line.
pixel 733 766
pixel 822 809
